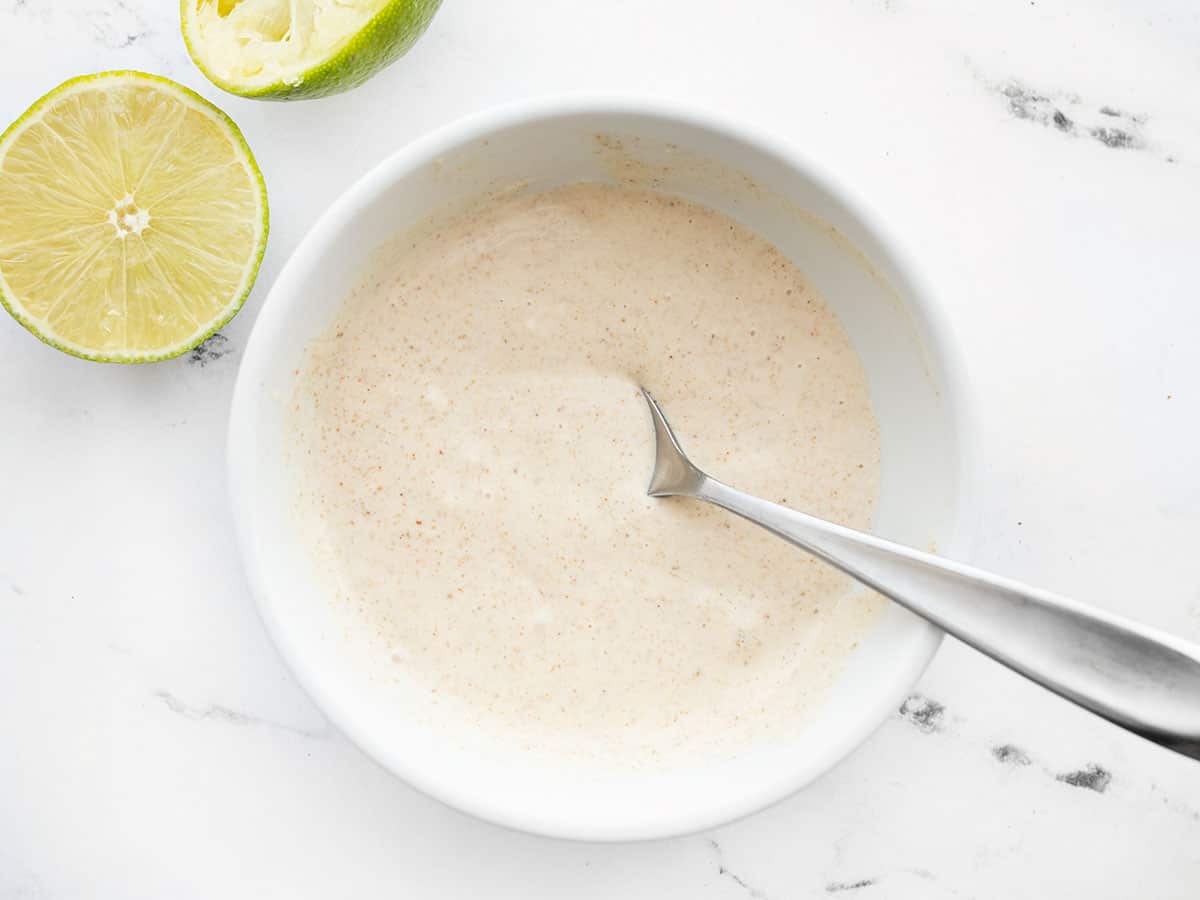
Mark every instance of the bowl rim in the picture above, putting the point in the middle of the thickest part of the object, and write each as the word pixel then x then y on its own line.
pixel 921 302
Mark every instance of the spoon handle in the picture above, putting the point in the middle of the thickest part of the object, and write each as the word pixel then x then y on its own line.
pixel 1137 677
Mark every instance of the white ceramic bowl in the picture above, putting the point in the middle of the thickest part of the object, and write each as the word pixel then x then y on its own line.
pixel 916 384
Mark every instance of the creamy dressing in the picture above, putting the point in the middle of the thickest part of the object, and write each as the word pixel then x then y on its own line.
pixel 474 451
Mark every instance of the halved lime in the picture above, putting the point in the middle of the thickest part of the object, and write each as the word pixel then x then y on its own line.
pixel 133 218
pixel 298 49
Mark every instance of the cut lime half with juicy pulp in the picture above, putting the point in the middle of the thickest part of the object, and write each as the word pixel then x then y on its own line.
pixel 133 218
pixel 297 49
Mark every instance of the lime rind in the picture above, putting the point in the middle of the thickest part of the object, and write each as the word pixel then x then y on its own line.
pixel 378 43
pixel 12 305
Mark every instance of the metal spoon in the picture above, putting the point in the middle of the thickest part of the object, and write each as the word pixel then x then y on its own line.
pixel 1135 676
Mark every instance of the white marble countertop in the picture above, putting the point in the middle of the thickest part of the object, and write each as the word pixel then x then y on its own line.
pixel 1042 157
